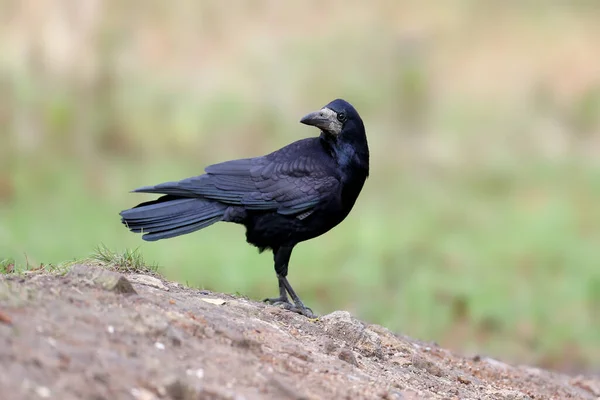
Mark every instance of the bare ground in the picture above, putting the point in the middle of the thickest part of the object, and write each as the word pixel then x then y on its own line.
pixel 95 334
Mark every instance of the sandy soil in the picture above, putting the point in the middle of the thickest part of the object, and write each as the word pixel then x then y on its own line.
pixel 96 334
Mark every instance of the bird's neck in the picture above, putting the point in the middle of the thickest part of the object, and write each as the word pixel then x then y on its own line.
pixel 350 153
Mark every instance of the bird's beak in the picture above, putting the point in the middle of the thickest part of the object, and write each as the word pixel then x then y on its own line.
pixel 324 119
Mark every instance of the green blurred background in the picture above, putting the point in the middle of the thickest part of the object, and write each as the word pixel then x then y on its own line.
pixel 479 227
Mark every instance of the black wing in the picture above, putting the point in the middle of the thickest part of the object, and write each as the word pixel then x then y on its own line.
pixel 290 185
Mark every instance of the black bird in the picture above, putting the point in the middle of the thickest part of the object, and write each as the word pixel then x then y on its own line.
pixel 291 195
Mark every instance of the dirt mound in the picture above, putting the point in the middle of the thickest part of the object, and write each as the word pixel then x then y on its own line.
pixel 96 334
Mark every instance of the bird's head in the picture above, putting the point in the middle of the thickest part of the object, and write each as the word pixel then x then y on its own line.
pixel 336 119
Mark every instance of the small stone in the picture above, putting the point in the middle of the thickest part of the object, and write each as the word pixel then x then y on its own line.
pixel 148 281
pixel 110 329
pixel 159 345
pixel 348 356
pixel 5 318
pixel 369 344
pixel 43 392
pixel 427 365
pixel 103 278
pixel 217 302
pixel 341 325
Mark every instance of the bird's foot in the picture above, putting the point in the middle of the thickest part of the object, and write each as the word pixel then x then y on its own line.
pixel 276 301
pixel 302 309
pixel 285 303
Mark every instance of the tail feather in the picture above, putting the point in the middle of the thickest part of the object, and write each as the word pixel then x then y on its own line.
pixel 181 230
pixel 170 216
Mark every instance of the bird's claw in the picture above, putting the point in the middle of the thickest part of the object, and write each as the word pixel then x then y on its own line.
pixel 297 308
pixel 307 312
pixel 275 301
pixel 286 304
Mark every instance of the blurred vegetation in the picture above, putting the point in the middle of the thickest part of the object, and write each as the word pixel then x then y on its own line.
pixel 479 227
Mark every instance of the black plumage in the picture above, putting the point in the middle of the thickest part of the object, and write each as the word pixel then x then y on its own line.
pixel 291 195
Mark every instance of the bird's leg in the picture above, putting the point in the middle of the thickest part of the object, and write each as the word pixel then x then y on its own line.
pixel 282 257
pixel 283 298
pixel 279 257
pixel 298 306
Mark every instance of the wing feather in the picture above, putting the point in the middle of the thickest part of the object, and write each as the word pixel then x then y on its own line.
pixel 286 181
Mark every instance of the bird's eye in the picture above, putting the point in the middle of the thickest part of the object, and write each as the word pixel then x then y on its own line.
pixel 341 117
